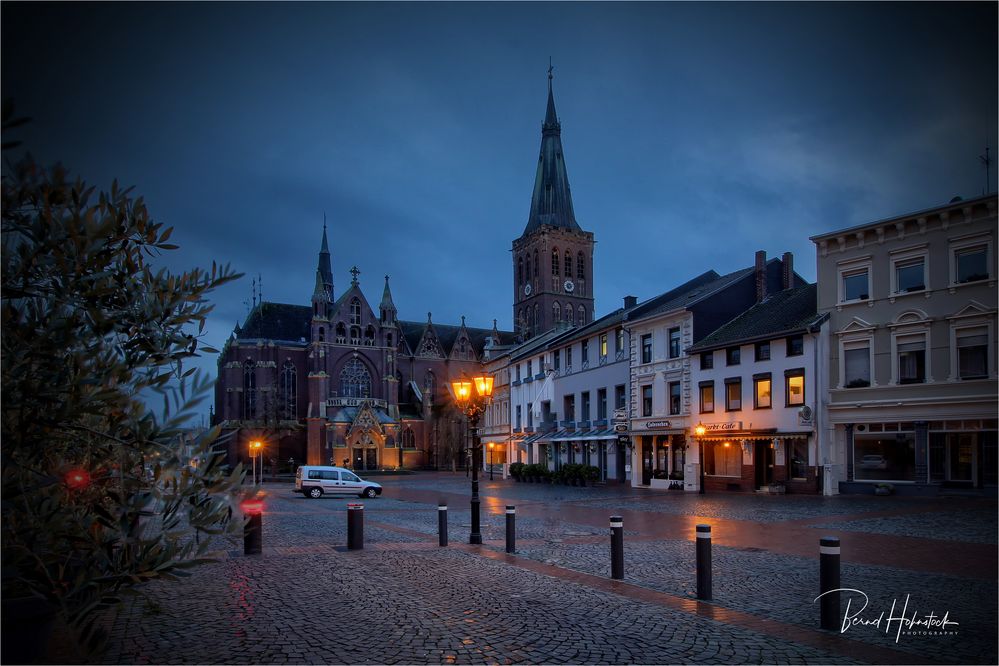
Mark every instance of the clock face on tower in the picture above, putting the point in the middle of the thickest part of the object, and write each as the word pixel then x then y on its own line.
pixel 568 286
pixel 527 289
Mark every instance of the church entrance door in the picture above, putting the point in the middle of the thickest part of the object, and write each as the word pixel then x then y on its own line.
pixel 365 459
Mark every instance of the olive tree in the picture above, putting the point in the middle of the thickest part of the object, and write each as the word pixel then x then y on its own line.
pixel 100 491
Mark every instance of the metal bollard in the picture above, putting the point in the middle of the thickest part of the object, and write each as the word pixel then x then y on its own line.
pixel 442 524
pixel 511 529
pixel 617 547
pixel 704 562
pixel 828 582
pixel 355 526
pixel 253 533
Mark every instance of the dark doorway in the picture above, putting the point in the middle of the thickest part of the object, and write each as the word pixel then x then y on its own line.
pixel 365 459
pixel 647 460
pixel 763 463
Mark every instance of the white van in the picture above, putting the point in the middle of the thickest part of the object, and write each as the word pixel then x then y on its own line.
pixel 317 480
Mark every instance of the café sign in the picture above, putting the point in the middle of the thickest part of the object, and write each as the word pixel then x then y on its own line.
pixel 657 425
pixel 715 427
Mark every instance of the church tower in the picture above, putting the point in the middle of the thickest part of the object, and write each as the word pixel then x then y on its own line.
pixel 553 258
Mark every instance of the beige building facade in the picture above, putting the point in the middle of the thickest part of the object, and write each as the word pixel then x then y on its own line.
pixel 912 381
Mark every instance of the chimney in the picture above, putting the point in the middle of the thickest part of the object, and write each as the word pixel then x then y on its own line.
pixel 630 302
pixel 788 275
pixel 761 275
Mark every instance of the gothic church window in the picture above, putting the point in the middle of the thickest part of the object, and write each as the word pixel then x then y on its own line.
pixel 355 311
pixel 582 315
pixel 429 386
pixel 408 439
pixel 322 334
pixel 369 336
pixel 249 389
pixel 355 335
pixel 520 271
pixel 355 380
pixel 288 391
pixel 556 312
pixel 536 263
pixel 528 265
pixel 341 333
pixel 537 315
pixel 568 312
pixel 580 273
pixel 555 270
pixel 568 264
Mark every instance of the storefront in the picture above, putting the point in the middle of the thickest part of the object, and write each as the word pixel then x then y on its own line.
pixel 661 452
pixel 764 461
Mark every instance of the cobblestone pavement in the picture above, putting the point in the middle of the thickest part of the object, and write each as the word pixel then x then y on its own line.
pixel 404 600
pixel 974 526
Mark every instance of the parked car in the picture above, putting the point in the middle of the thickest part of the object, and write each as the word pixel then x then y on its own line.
pixel 317 480
pixel 873 462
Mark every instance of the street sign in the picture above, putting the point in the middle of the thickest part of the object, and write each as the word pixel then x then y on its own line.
pixel 621 427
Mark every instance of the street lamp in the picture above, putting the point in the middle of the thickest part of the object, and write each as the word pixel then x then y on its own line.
pixel 255 447
pixel 491 445
pixel 699 430
pixel 472 398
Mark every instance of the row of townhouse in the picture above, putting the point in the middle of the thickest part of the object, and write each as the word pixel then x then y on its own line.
pixel 882 372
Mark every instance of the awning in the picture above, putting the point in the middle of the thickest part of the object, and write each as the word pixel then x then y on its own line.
pixel 752 436
pixel 601 434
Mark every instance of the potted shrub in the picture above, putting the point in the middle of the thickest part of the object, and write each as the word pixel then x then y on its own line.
pixel 516 469
pixel 591 473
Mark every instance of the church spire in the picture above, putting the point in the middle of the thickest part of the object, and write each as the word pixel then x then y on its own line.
pixel 386 305
pixel 551 201
pixel 325 267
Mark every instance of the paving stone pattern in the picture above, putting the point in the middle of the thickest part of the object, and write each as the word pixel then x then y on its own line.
pixel 971 526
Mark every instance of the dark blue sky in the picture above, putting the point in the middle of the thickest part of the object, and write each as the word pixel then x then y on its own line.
pixel 694 133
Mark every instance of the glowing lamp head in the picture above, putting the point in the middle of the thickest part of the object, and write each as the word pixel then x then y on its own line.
pixel 484 385
pixel 77 478
pixel 492 444
pixel 699 430
pixel 728 444
pixel 462 390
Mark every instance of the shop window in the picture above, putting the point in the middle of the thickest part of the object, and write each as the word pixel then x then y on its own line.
pixel 798 456
pixel 707 392
pixel 733 394
pixel 723 459
pixel 911 354
pixel 647 348
pixel 674 343
pixel 762 351
pixel 647 401
pixel 796 345
pixel 707 360
pixel 733 356
pixel 761 391
pixel 972 353
pixel 794 387
pixel 675 398
pixel 884 457
pixel 857 364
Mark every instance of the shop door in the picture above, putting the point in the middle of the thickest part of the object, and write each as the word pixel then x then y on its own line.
pixel 961 450
pixel 647 459
pixel 763 463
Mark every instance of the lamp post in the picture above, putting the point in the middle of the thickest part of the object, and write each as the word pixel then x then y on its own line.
pixel 472 398
pixel 491 445
pixel 255 447
pixel 699 430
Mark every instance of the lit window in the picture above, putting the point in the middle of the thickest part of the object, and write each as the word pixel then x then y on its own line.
pixel 733 394
pixel 603 345
pixel 761 392
pixel 707 390
pixel 794 387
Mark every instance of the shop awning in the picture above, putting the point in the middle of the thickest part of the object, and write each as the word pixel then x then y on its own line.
pixel 607 433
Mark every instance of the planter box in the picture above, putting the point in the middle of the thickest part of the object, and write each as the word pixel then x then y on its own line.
pixel 662 484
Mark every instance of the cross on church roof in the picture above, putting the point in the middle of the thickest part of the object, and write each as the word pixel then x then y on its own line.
pixel 354 271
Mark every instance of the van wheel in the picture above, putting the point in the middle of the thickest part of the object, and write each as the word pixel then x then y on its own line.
pixel 315 493
pixel 369 493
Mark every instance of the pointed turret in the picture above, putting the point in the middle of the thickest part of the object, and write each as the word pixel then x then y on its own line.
pixel 325 267
pixel 551 202
pixel 387 307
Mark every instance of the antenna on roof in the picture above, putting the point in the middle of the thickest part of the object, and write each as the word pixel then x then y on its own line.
pixel 987 161
pixel 253 291
pixel 260 288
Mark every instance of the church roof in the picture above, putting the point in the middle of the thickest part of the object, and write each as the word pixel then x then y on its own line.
pixel 551 201
pixel 277 321
pixel 784 313
pixel 349 414
pixel 448 334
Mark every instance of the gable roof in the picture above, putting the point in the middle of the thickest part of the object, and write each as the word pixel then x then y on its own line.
pixel 277 321
pixel 784 313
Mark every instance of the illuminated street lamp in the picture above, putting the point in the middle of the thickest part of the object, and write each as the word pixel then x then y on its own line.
pixel 699 431
pixel 472 398
pixel 255 447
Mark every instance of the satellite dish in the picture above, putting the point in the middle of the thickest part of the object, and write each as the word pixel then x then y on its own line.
pixel 805 413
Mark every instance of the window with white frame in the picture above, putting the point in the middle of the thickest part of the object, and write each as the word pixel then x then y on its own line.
pixel 733 394
pixel 972 352
pixel 910 357
pixel 707 391
pixel 970 259
pixel 855 280
pixel 855 368
pixel 909 271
